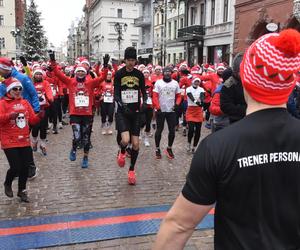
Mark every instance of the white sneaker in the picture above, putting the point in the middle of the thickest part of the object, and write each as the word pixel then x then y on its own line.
pixel 188 148
pixel 146 142
pixel 60 126
pixel 50 125
pixel 103 131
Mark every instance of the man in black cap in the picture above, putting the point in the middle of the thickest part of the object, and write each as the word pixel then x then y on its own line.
pixel 129 89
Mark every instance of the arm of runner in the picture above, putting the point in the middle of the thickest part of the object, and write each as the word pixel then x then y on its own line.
pixel 48 92
pixel 143 89
pixel 95 82
pixel 179 224
pixel 61 76
pixel 117 90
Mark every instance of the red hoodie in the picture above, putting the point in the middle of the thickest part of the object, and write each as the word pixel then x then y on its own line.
pixel 16 133
pixel 107 91
pixel 81 94
pixel 44 92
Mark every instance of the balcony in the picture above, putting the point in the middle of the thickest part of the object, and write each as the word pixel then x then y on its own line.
pixel 190 33
pixel 219 29
pixel 142 21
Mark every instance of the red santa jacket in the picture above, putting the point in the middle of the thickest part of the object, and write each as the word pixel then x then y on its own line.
pixel 16 133
pixel 55 84
pixel 184 83
pixel 81 94
pixel 44 92
pixel 149 91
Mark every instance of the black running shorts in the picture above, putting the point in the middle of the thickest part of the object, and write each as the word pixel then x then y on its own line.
pixel 130 123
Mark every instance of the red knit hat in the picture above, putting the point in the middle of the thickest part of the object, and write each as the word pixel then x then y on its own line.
pixel 269 67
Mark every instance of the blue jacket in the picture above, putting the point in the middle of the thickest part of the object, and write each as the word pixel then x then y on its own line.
pixel 28 93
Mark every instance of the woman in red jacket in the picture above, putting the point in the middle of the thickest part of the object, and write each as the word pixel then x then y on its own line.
pixel 81 93
pixel 15 116
pixel 44 92
pixel 107 104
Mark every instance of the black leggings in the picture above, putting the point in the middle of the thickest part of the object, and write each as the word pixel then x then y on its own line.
pixel 149 115
pixel 194 131
pixel 81 126
pixel 107 110
pixel 19 161
pixel 54 112
pixel 65 103
pixel 160 122
pixel 41 127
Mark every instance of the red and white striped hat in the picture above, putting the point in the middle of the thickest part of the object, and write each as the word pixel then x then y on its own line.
pixel 269 67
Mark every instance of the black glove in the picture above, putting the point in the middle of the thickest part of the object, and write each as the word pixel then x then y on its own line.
pixel 105 60
pixel 158 112
pixel 51 55
pixel 176 108
pixel 199 104
pixel 23 61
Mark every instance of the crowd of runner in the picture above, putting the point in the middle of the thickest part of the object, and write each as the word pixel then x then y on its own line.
pixel 38 98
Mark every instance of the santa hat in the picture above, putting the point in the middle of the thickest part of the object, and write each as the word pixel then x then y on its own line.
pixel 80 67
pixel 157 67
pixel 146 71
pixel 196 79
pixel 269 67
pixel 141 67
pixel 211 68
pixel 85 61
pixel 196 69
pixel 6 63
pixel 183 64
pixel 221 66
pixel 38 70
pixel 12 83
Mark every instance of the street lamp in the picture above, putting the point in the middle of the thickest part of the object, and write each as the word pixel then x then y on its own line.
pixel 17 34
pixel 119 29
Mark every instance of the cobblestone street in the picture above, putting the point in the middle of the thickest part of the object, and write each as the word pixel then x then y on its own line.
pixel 63 187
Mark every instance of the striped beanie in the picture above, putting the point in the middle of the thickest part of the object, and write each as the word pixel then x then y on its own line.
pixel 270 65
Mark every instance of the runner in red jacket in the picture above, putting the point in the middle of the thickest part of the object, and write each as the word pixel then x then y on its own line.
pixel 44 92
pixel 15 116
pixel 81 93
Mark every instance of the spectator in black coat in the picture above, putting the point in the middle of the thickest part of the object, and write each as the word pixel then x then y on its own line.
pixel 232 95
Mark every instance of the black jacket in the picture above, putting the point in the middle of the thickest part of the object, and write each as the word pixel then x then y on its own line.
pixel 232 99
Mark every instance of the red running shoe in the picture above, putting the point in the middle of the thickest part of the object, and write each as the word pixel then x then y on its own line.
pixel 169 153
pixel 121 159
pixel 131 177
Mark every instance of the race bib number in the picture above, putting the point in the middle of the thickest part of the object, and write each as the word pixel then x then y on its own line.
pixel 168 93
pixel 149 100
pixel 130 96
pixel 81 101
pixel 108 98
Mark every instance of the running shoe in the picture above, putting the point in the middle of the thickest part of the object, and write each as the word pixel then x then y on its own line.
pixel 72 156
pixel 169 153
pixel 64 123
pixel 103 131
pixel 208 126
pixel 32 172
pixel 131 177
pixel 85 162
pixel 146 142
pixel 8 191
pixel 55 131
pixel 188 148
pixel 158 154
pixel 34 146
pixel 184 132
pixel 60 125
pixel 43 150
pixel 121 159
pixel 23 196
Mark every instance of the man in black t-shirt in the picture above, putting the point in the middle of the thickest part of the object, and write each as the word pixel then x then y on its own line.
pixel 129 89
pixel 250 170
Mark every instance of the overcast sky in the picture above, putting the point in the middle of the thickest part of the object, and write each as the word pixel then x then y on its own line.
pixel 57 16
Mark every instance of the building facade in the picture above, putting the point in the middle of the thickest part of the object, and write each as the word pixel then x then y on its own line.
pixel 256 18
pixel 7 25
pixel 145 26
pixel 111 28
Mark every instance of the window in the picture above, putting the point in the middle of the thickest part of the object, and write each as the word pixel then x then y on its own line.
pixel 120 13
pixel 175 29
pixel 134 44
pixel 180 56
pixel 1 20
pixel 225 14
pixel 174 58
pixel 157 19
pixel 193 15
pixel 202 12
pixel 2 43
pixel 181 22
pixel 1 3
pixel 143 36
pixel 169 30
pixel 213 10
pixel 162 18
pixel 169 58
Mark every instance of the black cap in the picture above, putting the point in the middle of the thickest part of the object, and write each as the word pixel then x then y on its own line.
pixel 130 53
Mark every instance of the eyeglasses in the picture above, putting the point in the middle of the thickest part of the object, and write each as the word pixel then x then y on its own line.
pixel 17 89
